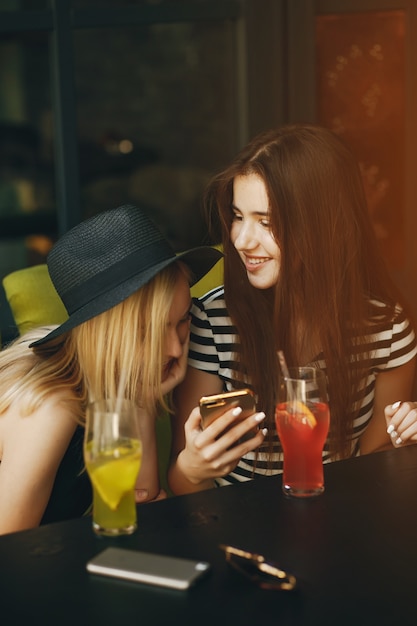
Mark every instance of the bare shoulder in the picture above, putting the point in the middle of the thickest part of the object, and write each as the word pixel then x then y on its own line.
pixel 32 447
pixel 56 403
pixel 51 421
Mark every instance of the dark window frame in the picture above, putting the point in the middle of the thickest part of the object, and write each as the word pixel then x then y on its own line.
pixel 260 101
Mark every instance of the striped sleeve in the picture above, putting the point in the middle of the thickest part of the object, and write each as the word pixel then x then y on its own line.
pixel 213 340
pixel 202 352
pixel 396 345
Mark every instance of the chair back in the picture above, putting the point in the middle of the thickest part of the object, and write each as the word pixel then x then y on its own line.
pixel 32 300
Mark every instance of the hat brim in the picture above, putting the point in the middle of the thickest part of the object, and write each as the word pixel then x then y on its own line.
pixel 199 260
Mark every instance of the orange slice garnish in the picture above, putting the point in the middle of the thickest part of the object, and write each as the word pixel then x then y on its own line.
pixel 303 413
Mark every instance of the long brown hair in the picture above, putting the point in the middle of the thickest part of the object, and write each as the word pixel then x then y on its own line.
pixel 330 265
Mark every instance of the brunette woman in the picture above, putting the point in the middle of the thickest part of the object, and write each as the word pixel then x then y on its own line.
pixel 303 274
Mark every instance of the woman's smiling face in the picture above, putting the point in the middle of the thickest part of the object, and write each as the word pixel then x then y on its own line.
pixel 251 233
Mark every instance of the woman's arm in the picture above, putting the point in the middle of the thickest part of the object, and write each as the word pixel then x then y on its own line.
pixel 390 387
pixel 32 449
pixel 186 398
pixel 199 456
pixel 147 487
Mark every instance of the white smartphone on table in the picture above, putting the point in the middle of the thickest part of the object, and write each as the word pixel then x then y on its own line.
pixel 148 568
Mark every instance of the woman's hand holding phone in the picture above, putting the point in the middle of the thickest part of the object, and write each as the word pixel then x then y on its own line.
pixel 214 406
pixel 214 450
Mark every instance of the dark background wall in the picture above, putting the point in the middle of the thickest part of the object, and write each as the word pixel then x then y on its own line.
pixel 103 102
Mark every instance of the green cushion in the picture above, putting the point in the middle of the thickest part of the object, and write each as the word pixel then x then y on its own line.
pixel 33 299
pixel 212 279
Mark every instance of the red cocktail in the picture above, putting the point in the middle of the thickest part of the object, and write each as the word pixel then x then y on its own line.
pixel 302 421
pixel 302 442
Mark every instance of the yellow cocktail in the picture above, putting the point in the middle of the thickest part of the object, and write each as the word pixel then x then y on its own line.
pixel 113 474
pixel 113 455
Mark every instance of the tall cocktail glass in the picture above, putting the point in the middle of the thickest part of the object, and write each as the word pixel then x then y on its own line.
pixel 302 420
pixel 113 455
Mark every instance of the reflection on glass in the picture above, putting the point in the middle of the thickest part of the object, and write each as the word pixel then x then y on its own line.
pixel 83 4
pixel 24 5
pixel 361 96
pixel 156 119
pixel 27 202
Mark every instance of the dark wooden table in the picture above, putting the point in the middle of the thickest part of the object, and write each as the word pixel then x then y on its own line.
pixel 353 550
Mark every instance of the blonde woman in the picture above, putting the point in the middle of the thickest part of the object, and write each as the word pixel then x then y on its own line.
pixel 128 300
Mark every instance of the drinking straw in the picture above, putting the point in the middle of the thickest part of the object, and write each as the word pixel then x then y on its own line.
pixel 120 390
pixel 283 364
pixel 118 405
pixel 286 373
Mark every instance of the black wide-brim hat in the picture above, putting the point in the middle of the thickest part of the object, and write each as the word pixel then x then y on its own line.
pixel 103 260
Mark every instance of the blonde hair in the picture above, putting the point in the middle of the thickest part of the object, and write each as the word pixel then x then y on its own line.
pixel 87 362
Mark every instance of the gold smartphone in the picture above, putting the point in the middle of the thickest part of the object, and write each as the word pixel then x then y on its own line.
pixel 211 407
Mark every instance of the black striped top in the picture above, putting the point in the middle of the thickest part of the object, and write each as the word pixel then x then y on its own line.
pixel 213 347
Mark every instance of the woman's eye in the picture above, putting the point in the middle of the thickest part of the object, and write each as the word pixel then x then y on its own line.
pixel 266 223
pixel 185 320
pixel 236 217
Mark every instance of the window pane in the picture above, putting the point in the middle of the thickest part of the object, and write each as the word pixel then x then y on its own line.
pixel 84 4
pixel 27 201
pixel 24 5
pixel 156 118
pixel 361 95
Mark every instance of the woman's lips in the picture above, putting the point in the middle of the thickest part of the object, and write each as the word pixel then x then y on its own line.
pixel 254 263
pixel 166 369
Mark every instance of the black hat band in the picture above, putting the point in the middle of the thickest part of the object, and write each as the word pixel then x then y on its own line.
pixel 132 265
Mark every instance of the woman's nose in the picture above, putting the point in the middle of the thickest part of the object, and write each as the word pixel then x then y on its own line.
pixel 245 237
pixel 174 346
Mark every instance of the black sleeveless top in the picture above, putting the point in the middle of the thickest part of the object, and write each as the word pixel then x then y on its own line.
pixel 71 494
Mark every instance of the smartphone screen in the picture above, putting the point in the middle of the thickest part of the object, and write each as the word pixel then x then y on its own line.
pixel 211 407
pixel 148 568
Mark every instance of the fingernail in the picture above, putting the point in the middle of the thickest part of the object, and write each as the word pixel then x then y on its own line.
pixel 390 429
pixel 264 432
pixel 396 405
pixel 237 411
pixel 259 416
pixel 141 494
pixel 399 441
